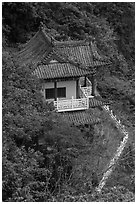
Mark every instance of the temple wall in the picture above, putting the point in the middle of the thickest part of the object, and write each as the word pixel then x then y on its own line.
pixel 70 87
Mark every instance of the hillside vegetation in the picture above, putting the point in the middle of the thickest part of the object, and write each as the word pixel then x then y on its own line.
pixel 62 167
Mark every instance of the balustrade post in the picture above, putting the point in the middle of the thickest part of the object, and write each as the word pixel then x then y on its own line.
pixel 72 102
pixel 94 84
pixel 57 103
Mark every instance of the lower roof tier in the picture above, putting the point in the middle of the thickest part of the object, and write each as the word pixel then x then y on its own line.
pixel 97 101
pixel 78 118
pixel 60 70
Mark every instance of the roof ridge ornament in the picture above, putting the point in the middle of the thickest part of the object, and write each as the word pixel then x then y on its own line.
pixel 47 33
pixel 42 26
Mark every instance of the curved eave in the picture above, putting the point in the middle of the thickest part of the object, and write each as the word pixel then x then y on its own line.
pixel 35 50
pixel 96 54
pixel 38 49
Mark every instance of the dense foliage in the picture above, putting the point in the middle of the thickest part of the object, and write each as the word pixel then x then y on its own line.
pixel 40 151
pixel 36 145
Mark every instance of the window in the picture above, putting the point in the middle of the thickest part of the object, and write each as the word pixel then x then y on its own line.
pixel 61 92
pixel 50 93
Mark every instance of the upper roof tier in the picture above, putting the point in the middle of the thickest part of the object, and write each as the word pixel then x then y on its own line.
pixel 42 47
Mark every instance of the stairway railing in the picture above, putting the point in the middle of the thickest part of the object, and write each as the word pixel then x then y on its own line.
pixel 119 151
pixel 85 90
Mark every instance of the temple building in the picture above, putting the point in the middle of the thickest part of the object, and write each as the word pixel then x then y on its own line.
pixel 67 73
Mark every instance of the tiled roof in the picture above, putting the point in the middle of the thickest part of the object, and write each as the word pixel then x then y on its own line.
pixel 84 52
pixel 86 116
pixel 80 117
pixel 95 102
pixel 60 70
pixel 35 50
pixel 42 44
pixel 81 52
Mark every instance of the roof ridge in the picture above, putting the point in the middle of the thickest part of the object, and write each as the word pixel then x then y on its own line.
pixel 47 35
pixel 71 43
pixel 79 53
pixel 50 37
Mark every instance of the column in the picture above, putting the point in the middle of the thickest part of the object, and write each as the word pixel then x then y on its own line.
pixel 94 85
pixel 85 79
pixel 55 88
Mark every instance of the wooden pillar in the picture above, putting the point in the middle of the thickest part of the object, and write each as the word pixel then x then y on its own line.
pixel 55 89
pixel 85 79
pixel 94 85
pixel 77 89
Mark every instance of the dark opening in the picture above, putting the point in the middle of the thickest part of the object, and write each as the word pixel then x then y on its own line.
pixel 50 93
pixel 61 92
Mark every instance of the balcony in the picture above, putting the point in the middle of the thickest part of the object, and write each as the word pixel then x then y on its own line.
pixel 75 104
pixel 71 104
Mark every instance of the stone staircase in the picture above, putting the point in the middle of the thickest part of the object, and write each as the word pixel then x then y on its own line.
pixel 119 150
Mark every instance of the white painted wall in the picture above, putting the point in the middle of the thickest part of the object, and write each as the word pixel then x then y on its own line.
pixel 70 87
pixel 47 85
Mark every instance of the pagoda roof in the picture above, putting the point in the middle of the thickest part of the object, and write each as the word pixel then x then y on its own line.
pixel 81 117
pixel 86 116
pixel 97 102
pixel 43 46
pixel 60 70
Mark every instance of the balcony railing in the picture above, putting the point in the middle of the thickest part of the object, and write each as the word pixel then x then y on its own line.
pixel 87 91
pixel 72 104
pixel 76 104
